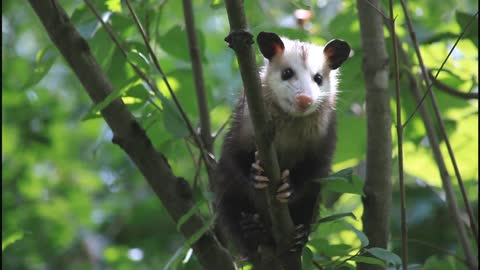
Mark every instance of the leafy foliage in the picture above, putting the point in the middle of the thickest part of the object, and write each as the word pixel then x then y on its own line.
pixel 72 200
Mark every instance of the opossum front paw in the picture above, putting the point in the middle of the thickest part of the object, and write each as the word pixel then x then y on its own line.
pixel 284 192
pixel 259 180
pixel 300 238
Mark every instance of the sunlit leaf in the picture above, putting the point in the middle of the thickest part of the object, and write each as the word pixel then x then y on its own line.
pixel 109 99
pixel 114 5
pixel 12 238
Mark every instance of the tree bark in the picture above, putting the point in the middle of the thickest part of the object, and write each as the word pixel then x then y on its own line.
pixel 241 41
pixel 377 200
pixel 174 192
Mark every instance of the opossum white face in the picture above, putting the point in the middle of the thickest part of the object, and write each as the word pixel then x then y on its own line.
pixel 299 76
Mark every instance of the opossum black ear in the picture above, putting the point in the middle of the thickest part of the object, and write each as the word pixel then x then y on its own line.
pixel 336 51
pixel 270 44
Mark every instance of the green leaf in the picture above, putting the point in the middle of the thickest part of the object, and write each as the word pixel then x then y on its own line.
pixel 95 110
pixel 114 5
pixel 307 259
pixel 336 216
pixel 172 119
pixel 343 182
pixel 385 255
pixel 12 238
pixel 44 60
pixel 361 236
pixel 216 4
pixel 87 24
pixel 369 260
pixel 190 213
pixel 140 60
pixel 472 31
pixel 174 42
pixel 345 174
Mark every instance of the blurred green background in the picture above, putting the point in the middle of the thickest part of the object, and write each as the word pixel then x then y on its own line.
pixel 73 200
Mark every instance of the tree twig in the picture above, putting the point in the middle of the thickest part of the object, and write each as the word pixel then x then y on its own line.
pixel 196 60
pixel 209 162
pixel 472 262
pixel 172 191
pixel 112 35
pixel 401 182
pixel 422 66
pixel 241 40
pixel 450 90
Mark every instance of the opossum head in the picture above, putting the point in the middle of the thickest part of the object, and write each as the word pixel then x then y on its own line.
pixel 300 77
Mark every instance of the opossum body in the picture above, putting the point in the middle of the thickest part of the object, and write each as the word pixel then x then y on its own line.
pixel 299 84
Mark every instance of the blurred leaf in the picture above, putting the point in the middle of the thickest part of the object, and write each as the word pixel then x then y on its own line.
pixel 109 99
pixel 174 42
pixel 369 260
pixel 345 175
pixel 385 255
pixel 139 60
pixel 12 238
pixel 172 120
pixel 114 5
pixel 216 4
pixel 343 181
pixel 307 259
pixel 43 62
pixel 336 216
pixel 303 4
pixel 361 235
pixel 472 32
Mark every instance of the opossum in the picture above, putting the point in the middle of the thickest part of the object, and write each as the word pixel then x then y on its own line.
pixel 299 85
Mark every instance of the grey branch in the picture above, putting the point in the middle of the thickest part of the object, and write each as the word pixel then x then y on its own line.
pixel 377 200
pixel 196 59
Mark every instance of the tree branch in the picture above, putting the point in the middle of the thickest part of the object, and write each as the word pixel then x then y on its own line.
pixel 450 90
pixel 174 192
pixel 472 262
pixel 209 162
pixel 437 154
pixel 377 200
pixel 195 58
pixel 401 182
pixel 241 40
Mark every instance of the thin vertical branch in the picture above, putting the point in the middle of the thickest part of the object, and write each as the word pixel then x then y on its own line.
pixel 209 162
pixel 377 200
pixel 403 204
pixel 429 87
pixel 271 210
pixel 195 57
pixel 466 246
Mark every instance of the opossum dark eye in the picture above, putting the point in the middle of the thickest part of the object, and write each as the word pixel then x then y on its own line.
pixel 287 74
pixel 318 79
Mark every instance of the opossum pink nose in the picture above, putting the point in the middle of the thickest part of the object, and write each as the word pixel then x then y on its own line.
pixel 303 101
